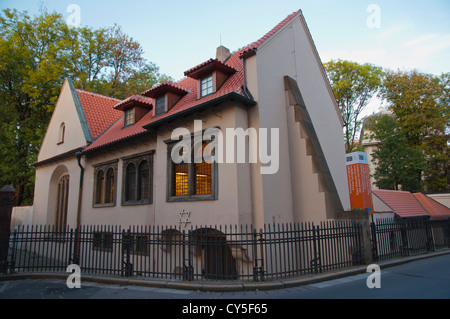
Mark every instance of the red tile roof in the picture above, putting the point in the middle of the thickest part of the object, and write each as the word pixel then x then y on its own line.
pixel 233 87
pixel 98 110
pixel 117 132
pixel 434 208
pixel 404 204
pixel 134 100
pixel 206 67
pixel 166 86
pixel 250 49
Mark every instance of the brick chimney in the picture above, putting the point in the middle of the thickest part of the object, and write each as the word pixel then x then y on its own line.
pixel 222 53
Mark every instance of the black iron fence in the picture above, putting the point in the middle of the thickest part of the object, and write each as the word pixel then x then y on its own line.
pixel 394 237
pixel 200 253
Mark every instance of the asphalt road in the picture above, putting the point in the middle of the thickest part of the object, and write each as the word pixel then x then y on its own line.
pixel 422 279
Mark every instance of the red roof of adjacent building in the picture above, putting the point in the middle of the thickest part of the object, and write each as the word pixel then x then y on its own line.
pixel 404 204
pixel 434 208
pixel 99 111
pixel 232 87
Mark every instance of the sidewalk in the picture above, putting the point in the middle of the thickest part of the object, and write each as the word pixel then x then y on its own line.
pixel 222 286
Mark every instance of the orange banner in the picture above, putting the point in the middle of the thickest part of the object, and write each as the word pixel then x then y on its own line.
pixel 358 176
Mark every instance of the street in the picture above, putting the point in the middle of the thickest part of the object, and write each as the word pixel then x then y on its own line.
pixel 422 279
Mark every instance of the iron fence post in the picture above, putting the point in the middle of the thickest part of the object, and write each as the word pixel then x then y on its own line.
pixel 404 235
pixel 258 270
pixel 373 228
pixel 126 240
pixel 12 262
pixel 188 270
pixel 315 262
pixel 73 244
pixel 429 234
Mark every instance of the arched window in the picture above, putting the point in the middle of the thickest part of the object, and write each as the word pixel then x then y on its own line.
pixel 62 132
pixel 100 188
pixel 62 203
pixel 109 186
pixel 130 182
pixel 105 184
pixel 143 191
pixel 137 179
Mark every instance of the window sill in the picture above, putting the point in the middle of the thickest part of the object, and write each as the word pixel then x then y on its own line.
pixel 134 203
pixel 104 205
pixel 191 198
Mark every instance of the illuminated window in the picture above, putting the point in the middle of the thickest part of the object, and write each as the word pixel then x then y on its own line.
pixel 194 180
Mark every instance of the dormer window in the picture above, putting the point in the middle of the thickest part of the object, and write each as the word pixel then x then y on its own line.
pixel 134 108
pixel 129 117
pixel 207 85
pixel 160 105
pixel 166 95
pixel 210 76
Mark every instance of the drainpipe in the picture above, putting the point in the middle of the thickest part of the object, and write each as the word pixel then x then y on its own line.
pixel 80 190
pixel 80 195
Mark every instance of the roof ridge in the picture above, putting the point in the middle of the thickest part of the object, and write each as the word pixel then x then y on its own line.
pixel 98 94
pixel 383 201
pixel 424 208
pixel 254 45
pixel 432 200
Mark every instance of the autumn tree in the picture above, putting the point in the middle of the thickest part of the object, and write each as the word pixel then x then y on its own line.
pixel 353 85
pixel 36 54
pixel 420 102
pixel 397 164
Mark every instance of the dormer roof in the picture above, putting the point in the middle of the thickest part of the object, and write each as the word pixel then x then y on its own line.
pixel 134 100
pixel 207 67
pixel 164 87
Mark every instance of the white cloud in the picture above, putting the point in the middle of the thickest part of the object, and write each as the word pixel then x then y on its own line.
pixel 419 40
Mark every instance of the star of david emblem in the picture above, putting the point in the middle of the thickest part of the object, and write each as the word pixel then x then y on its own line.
pixel 185 218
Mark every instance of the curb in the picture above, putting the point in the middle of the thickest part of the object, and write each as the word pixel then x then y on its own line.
pixel 224 286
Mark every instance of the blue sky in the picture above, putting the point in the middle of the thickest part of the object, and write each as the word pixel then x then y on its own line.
pixel 177 35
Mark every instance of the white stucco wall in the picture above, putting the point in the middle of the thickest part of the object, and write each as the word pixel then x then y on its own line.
pixel 290 52
pixel 65 112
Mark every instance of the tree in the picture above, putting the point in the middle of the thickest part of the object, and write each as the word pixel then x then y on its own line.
pixel 421 104
pixel 36 54
pixel 397 164
pixel 353 85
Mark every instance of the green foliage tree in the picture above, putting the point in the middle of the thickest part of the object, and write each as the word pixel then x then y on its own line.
pixel 353 85
pixel 397 164
pixel 421 104
pixel 36 54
